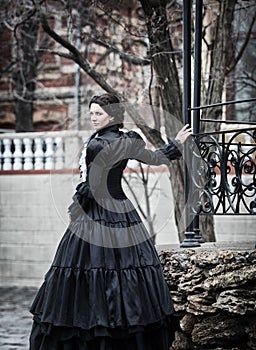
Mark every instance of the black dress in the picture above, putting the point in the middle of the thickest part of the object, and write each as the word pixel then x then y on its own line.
pixel 105 289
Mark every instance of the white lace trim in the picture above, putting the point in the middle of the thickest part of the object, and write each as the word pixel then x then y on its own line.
pixel 82 162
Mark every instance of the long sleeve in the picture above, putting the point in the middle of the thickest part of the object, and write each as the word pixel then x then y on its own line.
pixel 109 154
pixel 162 155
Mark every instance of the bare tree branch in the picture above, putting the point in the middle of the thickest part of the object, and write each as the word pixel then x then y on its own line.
pixel 153 136
pixel 76 56
pixel 126 57
pixel 134 196
pixel 58 53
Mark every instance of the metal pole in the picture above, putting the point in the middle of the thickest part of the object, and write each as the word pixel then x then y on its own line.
pixel 189 240
pixel 197 91
pixel 197 66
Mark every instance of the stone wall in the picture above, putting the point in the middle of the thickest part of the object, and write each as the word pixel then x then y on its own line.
pixel 214 294
pixel 33 215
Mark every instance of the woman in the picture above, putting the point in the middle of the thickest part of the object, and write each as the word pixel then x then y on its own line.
pixel 105 289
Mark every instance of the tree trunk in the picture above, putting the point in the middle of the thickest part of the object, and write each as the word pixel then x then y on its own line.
pixel 218 58
pixel 25 75
pixel 168 84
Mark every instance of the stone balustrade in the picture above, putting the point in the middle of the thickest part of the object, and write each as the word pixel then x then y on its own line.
pixel 40 150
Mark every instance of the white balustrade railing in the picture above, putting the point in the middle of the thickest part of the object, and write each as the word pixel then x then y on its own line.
pixel 41 150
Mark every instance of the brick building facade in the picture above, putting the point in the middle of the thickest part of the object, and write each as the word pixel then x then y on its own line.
pixel 62 90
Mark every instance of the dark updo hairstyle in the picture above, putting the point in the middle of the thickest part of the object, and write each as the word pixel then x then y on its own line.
pixel 111 105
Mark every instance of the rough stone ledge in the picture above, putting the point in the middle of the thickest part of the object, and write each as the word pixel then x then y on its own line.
pixel 214 292
pixel 216 246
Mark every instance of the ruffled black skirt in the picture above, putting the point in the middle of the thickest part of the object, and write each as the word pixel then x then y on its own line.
pixel 105 289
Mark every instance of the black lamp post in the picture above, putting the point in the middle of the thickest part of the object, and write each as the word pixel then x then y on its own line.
pixel 189 240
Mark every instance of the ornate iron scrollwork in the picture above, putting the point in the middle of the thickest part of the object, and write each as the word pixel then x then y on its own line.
pixel 223 179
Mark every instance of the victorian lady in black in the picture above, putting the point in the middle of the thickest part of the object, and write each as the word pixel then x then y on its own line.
pixel 105 289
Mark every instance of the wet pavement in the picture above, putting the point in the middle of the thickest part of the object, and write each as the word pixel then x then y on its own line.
pixel 15 318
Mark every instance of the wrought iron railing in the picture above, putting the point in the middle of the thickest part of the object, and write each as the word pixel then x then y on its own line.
pixel 212 153
pixel 223 174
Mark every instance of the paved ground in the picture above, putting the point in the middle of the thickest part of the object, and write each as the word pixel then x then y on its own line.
pixel 15 319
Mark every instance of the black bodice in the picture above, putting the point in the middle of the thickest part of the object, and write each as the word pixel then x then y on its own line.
pixel 108 152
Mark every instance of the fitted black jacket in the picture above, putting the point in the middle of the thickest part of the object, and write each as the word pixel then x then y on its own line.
pixel 108 152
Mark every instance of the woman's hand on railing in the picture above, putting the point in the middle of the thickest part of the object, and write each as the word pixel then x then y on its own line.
pixel 183 134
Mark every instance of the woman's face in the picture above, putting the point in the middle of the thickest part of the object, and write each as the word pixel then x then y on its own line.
pixel 99 117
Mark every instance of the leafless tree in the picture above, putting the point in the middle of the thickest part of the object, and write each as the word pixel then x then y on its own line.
pixel 140 175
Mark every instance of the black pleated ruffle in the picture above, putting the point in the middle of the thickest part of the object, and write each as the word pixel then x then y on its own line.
pixel 48 337
pixel 98 297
